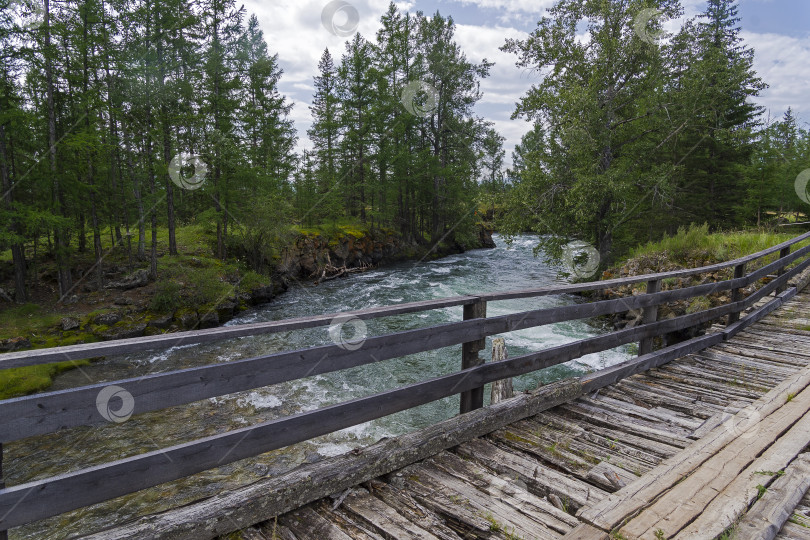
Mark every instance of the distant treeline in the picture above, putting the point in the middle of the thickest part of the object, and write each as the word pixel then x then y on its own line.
pixel 119 117
pixel 637 133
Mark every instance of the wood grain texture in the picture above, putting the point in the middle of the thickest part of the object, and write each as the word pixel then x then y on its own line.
pixel 274 496
pixel 614 509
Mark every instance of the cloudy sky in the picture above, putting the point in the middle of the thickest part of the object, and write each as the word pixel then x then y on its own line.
pixel 778 30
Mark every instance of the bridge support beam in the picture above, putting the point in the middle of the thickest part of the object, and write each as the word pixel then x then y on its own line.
pixel 782 254
pixel 472 399
pixel 736 294
pixel 3 534
pixel 649 315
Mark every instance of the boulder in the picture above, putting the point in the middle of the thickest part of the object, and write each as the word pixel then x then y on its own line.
pixel 188 319
pixel 210 319
pixel 107 319
pixel 138 278
pixel 261 295
pixel 162 322
pixel 123 331
pixel 14 344
pixel 70 323
pixel 225 310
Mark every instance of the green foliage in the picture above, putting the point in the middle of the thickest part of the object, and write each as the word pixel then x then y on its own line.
pixel 166 297
pixel 614 163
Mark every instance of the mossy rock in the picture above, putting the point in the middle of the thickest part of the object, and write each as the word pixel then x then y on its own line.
pixel 160 321
pixel 124 330
pixel 187 318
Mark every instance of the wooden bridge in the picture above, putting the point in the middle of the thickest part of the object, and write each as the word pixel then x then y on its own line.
pixel 700 439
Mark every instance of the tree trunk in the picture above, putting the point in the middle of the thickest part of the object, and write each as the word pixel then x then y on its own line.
pixel 17 249
pixel 167 148
pixel 64 276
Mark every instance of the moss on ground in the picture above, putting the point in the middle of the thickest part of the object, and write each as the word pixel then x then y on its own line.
pixel 27 380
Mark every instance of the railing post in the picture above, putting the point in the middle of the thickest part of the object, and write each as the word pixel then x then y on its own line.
pixel 649 315
pixel 736 294
pixel 782 254
pixel 3 533
pixel 473 399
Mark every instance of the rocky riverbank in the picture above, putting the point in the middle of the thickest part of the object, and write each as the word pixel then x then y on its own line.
pixel 665 262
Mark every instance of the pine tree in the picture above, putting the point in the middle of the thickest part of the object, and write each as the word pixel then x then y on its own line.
pixel 324 134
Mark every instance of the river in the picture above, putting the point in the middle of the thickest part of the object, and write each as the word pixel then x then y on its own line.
pixel 499 269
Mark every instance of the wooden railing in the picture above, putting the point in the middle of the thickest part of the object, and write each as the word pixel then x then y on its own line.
pixel 51 411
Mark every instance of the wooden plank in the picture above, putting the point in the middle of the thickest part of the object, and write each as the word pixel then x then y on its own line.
pixel 583 447
pixel 613 510
pixel 583 531
pixel 793 531
pixel 382 518
pixel 681 504
pixel 497 511
pixel 540 480
pixel 616 476
pixel 472 399
pixel 458 511
pixel 654 414
pixel 729 505
pixel 606 436
pixel 408 507
pixel 355 527
pixel 770 513
pixel 640 428
pixel 273 496
pixel 649 391
pixel 615 373
pixel 272 531
pixel 306 523
pixel 513 493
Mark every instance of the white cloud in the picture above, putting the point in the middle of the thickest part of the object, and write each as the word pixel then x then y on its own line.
pixel 784 63
pixel 294 30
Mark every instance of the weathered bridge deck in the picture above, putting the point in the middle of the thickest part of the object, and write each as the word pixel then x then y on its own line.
pixel 688 446
pixel 682 442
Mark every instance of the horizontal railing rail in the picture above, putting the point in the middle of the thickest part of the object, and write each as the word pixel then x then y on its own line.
pixel 195 337
pixel 48 412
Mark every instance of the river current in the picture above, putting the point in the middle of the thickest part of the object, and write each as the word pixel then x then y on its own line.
pixel 503 268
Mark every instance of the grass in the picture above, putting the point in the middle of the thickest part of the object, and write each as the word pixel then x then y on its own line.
pixel 27 319
pixel 719 246
pixel 729 534
pixel 27 380
pixel 192 282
